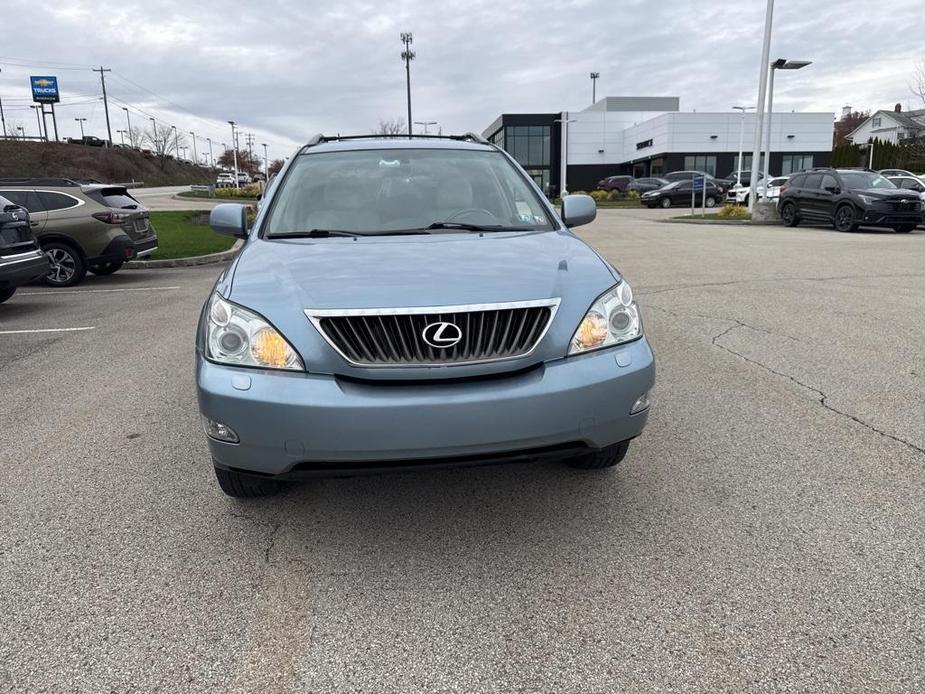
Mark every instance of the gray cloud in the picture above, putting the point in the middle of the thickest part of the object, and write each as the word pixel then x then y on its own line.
pixel 287 69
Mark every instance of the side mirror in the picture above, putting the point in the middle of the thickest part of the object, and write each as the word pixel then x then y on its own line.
pixel 578 210
pixel 229 219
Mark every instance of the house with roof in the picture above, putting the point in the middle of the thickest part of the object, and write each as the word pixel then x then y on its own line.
pixel 896 126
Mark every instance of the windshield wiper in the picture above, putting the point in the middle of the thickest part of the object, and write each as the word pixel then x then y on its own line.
pixel 465 226
pixel 313 234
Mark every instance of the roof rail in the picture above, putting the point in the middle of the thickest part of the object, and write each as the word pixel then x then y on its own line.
pixel 321 139
pixel 39 181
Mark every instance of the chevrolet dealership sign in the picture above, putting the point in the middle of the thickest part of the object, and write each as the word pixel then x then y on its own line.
pixel 45 90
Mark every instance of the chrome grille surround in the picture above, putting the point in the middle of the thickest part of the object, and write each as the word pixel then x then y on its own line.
pixel 391 337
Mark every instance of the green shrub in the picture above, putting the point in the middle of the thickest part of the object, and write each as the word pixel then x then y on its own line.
pixel 600 195
pixel 730 211
pixel 632 195
pixel 246 192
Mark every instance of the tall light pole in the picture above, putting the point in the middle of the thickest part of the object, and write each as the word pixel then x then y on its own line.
pixel 425 123
pixel 594 78
pixel 81 122
pixel 128 128
pixel 154 135
pixel 742 110
pixel 195 155
pixel 779 64
pixel 563 188
pixel 234 148
pixel 2 119
pixel 211 158
pixel 266 166
pixel 762 90
pixel 408 55
pixel 121 137
pixel 176 140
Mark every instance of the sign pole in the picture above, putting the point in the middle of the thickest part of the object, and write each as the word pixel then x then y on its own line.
pixel 703 200
pixel 54 121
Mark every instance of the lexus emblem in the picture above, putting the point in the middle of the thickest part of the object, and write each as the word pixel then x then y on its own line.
pixel 441 334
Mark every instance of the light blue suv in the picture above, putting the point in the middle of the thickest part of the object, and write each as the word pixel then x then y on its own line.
pixel 403 303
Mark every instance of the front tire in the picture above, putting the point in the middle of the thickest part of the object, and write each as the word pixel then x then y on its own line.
pixel 665 203
pixel 67 265
pixel 710 202
pixel 6 293
pixel 604 458
pixel 788 213
pixel 845 219
pixel 240 486
pixel 106 268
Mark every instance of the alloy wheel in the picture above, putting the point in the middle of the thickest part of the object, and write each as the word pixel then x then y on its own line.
pixel 844 219
pixel 63 265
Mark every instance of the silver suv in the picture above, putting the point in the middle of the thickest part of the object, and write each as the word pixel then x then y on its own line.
pixel 402 303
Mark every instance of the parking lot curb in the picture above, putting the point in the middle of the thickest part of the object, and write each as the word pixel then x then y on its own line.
pixel 721 222
pixel 187 262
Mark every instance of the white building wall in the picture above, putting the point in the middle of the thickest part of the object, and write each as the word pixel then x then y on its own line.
pixel 688 132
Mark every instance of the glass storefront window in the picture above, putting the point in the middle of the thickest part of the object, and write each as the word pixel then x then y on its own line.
pixel 528 144
pixel 792 163
pixel 701 162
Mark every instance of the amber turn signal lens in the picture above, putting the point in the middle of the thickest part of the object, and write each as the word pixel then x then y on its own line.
pixel 592 332
pixel 270 349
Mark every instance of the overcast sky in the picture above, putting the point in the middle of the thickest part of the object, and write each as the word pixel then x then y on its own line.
pixel 285 69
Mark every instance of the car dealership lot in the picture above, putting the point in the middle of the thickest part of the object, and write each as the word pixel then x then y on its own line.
pixel 764 534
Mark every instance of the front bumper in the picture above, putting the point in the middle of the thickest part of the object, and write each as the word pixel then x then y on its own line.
pixel 876 216
pixel 22 268
pixel 299 423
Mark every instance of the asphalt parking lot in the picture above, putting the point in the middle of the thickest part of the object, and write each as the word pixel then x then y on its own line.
pixel 764 534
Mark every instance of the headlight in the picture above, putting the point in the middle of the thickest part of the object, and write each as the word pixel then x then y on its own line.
pixel 612 320
pixel 866 199
pixel 237 336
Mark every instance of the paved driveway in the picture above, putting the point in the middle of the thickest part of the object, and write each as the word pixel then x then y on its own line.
pixel 765 533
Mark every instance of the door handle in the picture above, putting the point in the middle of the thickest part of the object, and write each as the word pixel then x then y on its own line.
pixel 33 223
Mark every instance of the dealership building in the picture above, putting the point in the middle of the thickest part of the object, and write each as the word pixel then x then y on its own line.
pixel 649 136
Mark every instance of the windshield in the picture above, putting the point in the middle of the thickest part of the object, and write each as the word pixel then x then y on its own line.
pixel 864 180
pixel 382 191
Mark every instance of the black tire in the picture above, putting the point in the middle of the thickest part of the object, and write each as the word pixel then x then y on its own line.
pixel 788 213
pixel 710 201
pixel 6 293
pixel 244 486
pixel 904 228
pixel 665 203
pixel 67 264
pixel 604 458
pixel 845 219
pixel 106 268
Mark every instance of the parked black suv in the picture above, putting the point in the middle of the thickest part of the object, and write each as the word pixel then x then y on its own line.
pixel 847 199
pixel 21 259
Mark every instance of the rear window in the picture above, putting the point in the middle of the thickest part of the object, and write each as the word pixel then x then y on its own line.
pixel 797 181
pixel 117 198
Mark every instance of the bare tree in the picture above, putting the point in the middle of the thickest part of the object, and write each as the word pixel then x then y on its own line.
pixel 918 80
pixel 393 126
pixel 164 140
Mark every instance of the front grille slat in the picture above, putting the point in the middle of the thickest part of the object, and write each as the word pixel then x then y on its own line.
pixel 392 338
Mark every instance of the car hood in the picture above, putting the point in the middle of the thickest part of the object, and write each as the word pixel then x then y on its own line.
pixel 281 278
pixel 889 194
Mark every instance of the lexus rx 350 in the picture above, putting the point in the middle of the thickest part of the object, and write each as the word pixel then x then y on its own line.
pixel 403 303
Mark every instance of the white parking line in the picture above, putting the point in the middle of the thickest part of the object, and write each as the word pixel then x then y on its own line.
pixel 97 291
pixel 47 330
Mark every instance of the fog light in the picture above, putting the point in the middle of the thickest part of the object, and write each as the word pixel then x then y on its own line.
pixel 641 404
pixel 219 431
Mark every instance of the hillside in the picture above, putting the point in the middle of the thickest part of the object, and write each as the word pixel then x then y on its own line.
pixel 80 161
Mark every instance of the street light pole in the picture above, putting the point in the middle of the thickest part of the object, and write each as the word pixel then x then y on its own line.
pixel 81 122
pixel 762 90
pixel 594 76
pixel 779 64
pixel 154 134
pixel 408 55
pixel 425 123
pixel 742 110
pixel 128 124
pixel 121 137
pixel 38 120
pixel 266 166
pixel 211 158
pixel 2 119
pixel 234 148
pixel 195 155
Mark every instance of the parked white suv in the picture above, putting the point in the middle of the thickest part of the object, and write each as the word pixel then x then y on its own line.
pixel 225 180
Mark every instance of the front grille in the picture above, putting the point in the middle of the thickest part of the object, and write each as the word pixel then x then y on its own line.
pixel 435 336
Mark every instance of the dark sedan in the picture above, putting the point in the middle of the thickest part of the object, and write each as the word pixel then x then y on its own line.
pixel 615 183
pixel 679 194
pixel 644 185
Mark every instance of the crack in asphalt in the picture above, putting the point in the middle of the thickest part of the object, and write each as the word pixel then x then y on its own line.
pixel 271 541
pixel 822 398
